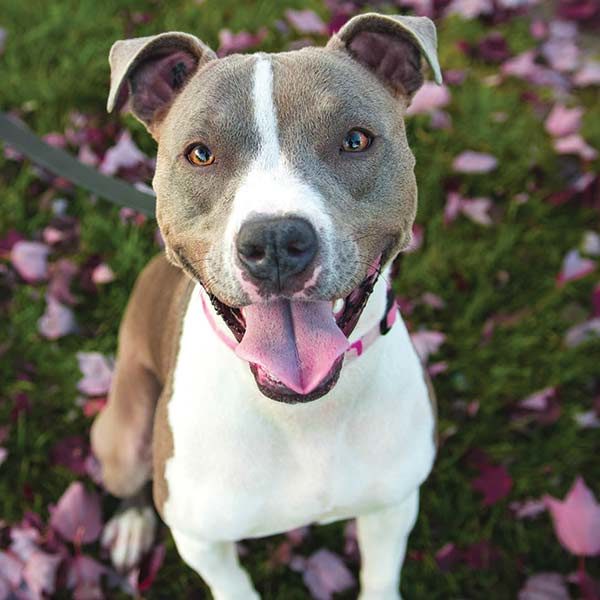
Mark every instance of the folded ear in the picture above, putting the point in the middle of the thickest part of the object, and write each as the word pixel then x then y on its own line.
pixel 391 47
pixel 151 71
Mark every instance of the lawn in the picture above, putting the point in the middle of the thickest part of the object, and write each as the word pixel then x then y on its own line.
pixel 501 290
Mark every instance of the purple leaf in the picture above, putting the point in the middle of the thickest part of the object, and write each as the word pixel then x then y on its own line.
pixel 326 574
pixel 474 162
pixel 97 373
pixel 306 21
pixel 57 321
pixel 71 452
pixel 30 260
pixel 494 481
pixel 77 516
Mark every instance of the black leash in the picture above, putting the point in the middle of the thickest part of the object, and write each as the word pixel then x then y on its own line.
pixel 21 138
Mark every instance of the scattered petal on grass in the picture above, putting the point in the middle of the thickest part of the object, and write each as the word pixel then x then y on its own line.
pixel 57 321
pixel 574 267
pixel 587 420
pixel 11 569
pixel 326 574
pixel 575 144
pixel 427 343
pixel 474 162
pixel 539 400
pixel 429 98
pixel 579 334
pixel 123 155
pixel 576 520
pixel 59 287
pixel 97 373
pixel 447 556
pixel 84 571
pixel 588 74
pixel 77 516
pixel 494 482
pixel 3 454
pixel 563 121
pixel 30 260
pixel 40 573
pixel 527 509
pixel 591 243
pixel 545 586
pixel 229 42
pixel 470 9
pixel 306 21
pixel 102 274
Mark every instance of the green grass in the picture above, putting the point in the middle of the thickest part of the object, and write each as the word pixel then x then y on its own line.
pixel 55 63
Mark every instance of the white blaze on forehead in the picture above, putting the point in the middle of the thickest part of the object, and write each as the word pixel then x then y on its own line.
pixel 270 187
pixel 265 115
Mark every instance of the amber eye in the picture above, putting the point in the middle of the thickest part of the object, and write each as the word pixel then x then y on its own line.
pixel 200 155
pixel 356 140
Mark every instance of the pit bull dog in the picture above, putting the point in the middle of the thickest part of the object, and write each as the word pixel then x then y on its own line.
pixel 264 379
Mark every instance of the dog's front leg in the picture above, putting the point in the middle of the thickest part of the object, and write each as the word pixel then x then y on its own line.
pixel 382 538
pixel 217 563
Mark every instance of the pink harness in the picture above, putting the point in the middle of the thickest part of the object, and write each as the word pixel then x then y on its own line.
pixel 356 348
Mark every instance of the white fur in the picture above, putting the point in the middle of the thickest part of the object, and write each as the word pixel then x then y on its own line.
pixel 270 187
pixel 244 465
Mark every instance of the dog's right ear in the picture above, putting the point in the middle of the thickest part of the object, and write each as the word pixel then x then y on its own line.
pixel 149 72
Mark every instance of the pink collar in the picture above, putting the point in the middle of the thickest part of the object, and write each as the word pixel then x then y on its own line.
pixel 356 348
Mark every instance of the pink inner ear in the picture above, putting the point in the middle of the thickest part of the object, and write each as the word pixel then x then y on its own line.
pixel 393 58
pixel 157 80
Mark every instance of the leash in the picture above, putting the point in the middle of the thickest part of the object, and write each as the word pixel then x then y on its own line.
pixel 17 135
pixel 355 350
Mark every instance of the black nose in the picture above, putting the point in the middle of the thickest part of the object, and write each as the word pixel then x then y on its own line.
pixel 274 250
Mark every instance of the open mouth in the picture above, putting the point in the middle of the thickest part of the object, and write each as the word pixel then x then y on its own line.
pixel 296 348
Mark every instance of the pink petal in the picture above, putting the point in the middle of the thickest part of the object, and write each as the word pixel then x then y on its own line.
pixel 539 400
pixel 577 520
pixel 452 207
pixel 574 267
pixel 77 516
pixel 429 98
pixel 40 572
pixel 11 569
pixel 24 541
pixel 306 21
pixel 433 300
pixel 587 420
pixel 563 121
pixel 545 586
pixel 579 334
pixel 84 570
pixel 494 482
pixel 326 574
pixel 87 156
pixel 470 9
pixel 589 74
pixel 416 239
pixel 30 260
pixel 427 343
pixel 3 454
pixel 102 274
pixel 477 210
pixel 57 321
pixel 474 162
pixel 575 144
pixel 230 43
pixel 561 54
pixel 97 373
pixel 123 155
pixel 528 508
pixel 59 287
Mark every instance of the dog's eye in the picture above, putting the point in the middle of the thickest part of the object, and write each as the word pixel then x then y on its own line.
pixel 356 140
pixel 200 155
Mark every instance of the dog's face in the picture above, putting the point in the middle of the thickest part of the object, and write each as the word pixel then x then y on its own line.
pixel 284 182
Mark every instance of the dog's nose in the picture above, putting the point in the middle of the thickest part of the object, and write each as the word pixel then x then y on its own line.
pixel 276 249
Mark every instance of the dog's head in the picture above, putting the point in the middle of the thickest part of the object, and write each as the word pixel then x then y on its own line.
pixel 284 182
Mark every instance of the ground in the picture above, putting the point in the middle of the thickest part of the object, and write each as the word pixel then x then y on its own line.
pixel 487 291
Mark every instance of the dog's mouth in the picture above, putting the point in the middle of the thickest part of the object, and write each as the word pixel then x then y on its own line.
pixel 296 348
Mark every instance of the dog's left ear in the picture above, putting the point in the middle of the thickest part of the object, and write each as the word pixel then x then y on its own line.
pixel 391 47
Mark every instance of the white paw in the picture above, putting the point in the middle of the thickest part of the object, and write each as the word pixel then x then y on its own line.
pixel 129 535
pixel 379 595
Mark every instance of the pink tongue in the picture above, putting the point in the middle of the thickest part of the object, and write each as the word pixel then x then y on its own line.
pixel 295 342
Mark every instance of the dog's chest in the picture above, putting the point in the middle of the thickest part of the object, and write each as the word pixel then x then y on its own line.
pixel 246 466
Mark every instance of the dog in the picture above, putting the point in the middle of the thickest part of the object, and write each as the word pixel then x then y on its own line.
pixel 264 378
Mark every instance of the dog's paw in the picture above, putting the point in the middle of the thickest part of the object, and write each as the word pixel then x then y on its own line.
pixel 379 595
pixel 129 535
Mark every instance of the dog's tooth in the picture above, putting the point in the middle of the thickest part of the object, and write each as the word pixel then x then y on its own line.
pixel 338 305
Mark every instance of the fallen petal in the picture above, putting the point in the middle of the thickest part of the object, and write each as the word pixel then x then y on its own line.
pixel 474 162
